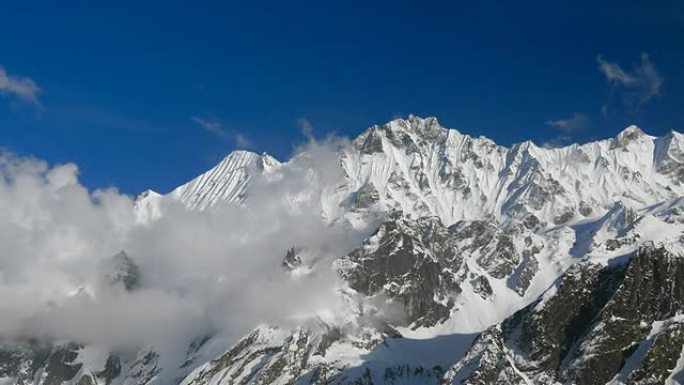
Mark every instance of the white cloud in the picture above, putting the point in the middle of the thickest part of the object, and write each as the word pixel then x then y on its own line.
pixel 305 127
pixel 241 140
pixel 576 122
pixel 212 126
pixel 215 127
pixel 214 271
pixel 640 85
pixel 22 88
pixel 557 142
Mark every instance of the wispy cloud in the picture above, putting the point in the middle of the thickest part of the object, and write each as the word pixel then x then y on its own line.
pixel 241 140
pixel 19 87
pixel 215 127
pixel 305 127
pixel 557 142
pixel 576 122
pixel 212 126
pixel 640 85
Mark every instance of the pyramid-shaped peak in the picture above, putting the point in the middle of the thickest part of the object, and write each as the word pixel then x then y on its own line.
pixel 628 135
pixel 148 194
pixel 423 127
pixel 268 162
pixel 122 269
pixel 241 154
pixel 241 158
pixel 631 132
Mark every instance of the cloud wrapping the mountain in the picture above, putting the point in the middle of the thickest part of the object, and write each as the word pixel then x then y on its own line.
pixel 214 271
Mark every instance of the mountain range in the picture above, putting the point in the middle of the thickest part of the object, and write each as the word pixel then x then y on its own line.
pixel 479 264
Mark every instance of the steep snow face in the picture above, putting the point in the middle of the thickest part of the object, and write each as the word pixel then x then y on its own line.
pixel 669 156
pixel 419 167
pixel 225 183
pixel 423 169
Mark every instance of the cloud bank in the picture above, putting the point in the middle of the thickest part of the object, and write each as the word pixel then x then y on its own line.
pixel 201 272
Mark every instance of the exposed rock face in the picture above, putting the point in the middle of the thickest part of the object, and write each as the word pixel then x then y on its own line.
pixel 28 363
pixel 652 290
pixel 399 262
pixel 426 265
pixel 662 349
pixel 600 323
pixel 123 270
pixel 291 260
pixel 272 356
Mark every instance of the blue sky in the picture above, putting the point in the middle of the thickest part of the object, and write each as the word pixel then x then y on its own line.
pixel 148 96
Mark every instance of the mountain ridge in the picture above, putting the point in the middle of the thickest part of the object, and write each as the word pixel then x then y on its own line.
pixel 484 264
pixel 450 155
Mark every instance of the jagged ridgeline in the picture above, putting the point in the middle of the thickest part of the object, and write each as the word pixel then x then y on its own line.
pixel 485 265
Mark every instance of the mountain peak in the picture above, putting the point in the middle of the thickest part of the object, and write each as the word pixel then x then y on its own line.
pixel 243 158
pixel 414 124
pixel 628 135
pixel 631 132
pixel 400 132
pixel 268 162
pixel 122 269
pixel 148 193
pixel 240 154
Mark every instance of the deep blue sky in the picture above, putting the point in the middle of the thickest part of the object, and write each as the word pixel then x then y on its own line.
pixel 120 85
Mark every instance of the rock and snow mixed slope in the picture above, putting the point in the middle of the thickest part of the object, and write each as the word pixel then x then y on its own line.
pixel 501 265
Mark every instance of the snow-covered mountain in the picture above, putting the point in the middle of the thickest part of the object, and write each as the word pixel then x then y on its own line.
pixel 224 183
pixel 423 169
pixel 520 265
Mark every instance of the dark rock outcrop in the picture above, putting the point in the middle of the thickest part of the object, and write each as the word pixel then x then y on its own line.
pixel 587 330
